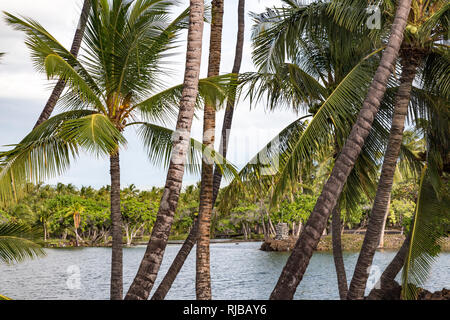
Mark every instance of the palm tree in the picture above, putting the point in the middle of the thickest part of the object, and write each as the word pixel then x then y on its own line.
pixel 76 44
pixel 191 239
pixel 326 78
pixel 421 41
pixel 298 261
pixel 148 270
pixel 111 88
pixel 203 273
pixel 76 210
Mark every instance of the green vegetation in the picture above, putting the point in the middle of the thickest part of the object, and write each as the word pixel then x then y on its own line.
pixel 53 211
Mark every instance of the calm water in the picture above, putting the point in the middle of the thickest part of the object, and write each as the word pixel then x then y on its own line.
pixel 238 271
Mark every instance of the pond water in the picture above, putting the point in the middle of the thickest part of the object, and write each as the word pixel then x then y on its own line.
pixel 238 271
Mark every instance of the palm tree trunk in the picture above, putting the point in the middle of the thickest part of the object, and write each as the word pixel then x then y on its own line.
pixel 383 227
pixel 387 279
pixel 203 274
pixel 191 240
pixel 307 242
pixel 116 230
pixel 381 202
pixel 76 43
pixel 177 263
pixel 337 252
pixel 229 111
pixel 148 270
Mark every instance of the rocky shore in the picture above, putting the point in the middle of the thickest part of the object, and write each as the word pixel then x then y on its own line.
pixel 350 242
pixel 394 293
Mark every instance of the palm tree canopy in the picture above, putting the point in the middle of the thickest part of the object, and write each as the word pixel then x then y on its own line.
pixel 114 84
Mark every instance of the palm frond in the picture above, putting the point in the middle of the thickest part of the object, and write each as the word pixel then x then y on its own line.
pixel 42 154
pixel 58 68
pixel 17 243
pixel 288 86
pixel 158 142
pixel 429 227
pixel 164 105
pixel 95 133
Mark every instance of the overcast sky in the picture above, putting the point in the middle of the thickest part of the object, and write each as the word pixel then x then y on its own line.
pixel 23 93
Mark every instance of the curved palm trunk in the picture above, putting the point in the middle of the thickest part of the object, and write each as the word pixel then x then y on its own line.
pixel 337 252
pixel 381 202
pixel 387 279
pixel 190 241
pixel 307 242
pixel 229 111
pixel 148 270
pixel 116 231
pixel 203 273
pixel 177 263
pixel 76 43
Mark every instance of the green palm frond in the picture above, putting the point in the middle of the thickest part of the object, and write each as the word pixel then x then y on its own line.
pixel 289 86
pixel 431 28
pixel 436 74
pixel 341 107
pixel 125 44
pixel 95 133
pixel 47 151
pixel 57 68
pixel 164 105
pixel 158 142
pixel 429 227
pixel 42 154
pixel 18 242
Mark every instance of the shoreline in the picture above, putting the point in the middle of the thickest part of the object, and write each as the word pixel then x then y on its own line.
pixel 350 243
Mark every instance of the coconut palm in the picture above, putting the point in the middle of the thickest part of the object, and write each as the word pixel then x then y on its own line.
pixel 149 267
pixel 112 87
pixel 76 44
pixel 422 44
pixel 298 261
pixel 327 80
pixel 203 273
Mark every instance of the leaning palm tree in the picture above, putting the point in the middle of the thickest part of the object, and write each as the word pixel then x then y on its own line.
pixel 328 80
pixel 148 270
pixel 17 243
pixel 299 259
pixel 423 44
pixel 114 86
